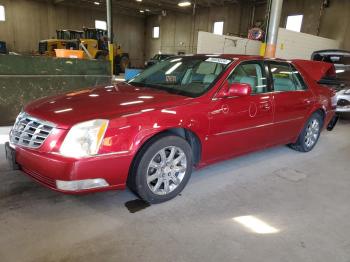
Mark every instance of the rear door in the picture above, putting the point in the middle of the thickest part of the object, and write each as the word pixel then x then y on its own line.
pixel 292 101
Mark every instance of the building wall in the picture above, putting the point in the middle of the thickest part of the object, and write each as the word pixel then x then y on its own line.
pixel 179 34
pixel 29 21
pixel 334 22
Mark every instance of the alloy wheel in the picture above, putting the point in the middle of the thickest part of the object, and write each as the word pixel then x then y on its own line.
pixel 166 170
pixel 312 133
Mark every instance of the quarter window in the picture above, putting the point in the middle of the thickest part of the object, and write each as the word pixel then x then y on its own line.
pixel 252 74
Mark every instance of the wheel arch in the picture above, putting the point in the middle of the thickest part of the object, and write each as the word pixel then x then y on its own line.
pixel 187 134
pixel 320 111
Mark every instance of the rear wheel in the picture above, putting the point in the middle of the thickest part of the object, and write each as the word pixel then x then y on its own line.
pixel 162 169
pixel 310 134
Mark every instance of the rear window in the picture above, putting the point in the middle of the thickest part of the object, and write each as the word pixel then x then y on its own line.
pixel 341 61
pixel 334 59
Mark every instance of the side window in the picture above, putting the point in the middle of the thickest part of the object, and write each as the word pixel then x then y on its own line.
pixel 298 79
pixel 250 73
pixel 282 77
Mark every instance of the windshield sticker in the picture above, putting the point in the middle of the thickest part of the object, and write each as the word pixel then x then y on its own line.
pixel 170 79
pixel 218 60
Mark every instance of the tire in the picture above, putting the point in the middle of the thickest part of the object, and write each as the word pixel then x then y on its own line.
pixel 159 173
pixel 310 134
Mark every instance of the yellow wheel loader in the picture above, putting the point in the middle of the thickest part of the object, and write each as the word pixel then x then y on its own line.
pixel 95 44
pixel 65 39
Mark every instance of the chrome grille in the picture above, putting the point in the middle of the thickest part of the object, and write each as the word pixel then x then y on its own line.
pixel 29 131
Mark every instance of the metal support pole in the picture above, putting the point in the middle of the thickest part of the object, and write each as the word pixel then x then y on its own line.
pixel 274 22
pixel 110 33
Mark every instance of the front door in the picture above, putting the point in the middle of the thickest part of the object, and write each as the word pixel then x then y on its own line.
pixel 242 124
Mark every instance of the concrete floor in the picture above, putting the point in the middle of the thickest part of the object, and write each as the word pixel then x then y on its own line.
pixel 304 198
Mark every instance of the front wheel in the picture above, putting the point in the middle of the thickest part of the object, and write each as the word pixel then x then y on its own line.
pixel 162 170
pixel 310 134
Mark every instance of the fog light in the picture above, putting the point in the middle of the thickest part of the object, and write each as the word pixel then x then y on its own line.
pixel 77 185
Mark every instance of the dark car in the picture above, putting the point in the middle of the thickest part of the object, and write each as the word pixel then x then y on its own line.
pixel 341 82
pixel 157 58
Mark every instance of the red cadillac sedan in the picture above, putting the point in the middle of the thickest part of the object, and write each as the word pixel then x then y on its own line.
pixel 190 111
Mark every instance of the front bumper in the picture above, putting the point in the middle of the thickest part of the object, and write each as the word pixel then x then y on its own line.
pixel 343 109
pixel 48 168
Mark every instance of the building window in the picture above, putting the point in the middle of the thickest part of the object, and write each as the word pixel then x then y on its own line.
pixel 294 22
pixel 99 24
pixel 218 28
pixel 155 33
pixel 2 13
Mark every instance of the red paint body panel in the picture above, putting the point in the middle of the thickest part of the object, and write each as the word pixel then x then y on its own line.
pixel 225 127
pixel 315 69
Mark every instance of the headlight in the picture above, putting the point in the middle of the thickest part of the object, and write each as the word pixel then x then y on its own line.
pixel 84 139
pixel 347 92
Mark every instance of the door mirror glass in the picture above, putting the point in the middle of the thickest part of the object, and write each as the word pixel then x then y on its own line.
pixel 235 89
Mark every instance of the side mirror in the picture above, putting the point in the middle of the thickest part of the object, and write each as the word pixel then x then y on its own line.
pixel 235 89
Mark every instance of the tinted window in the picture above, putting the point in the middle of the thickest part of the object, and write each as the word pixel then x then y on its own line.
pixel 334 59
pixel 341 61
pixel 251 73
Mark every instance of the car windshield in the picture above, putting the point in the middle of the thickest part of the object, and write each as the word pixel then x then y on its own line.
pixel 189 76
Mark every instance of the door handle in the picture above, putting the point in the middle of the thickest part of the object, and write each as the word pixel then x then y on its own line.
pixel 265 107
pixel 225 109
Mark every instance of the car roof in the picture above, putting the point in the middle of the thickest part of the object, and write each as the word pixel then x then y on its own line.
pixel 237 56
pixel 332 52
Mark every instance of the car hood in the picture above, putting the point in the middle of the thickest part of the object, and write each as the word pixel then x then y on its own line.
pixel 104 102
